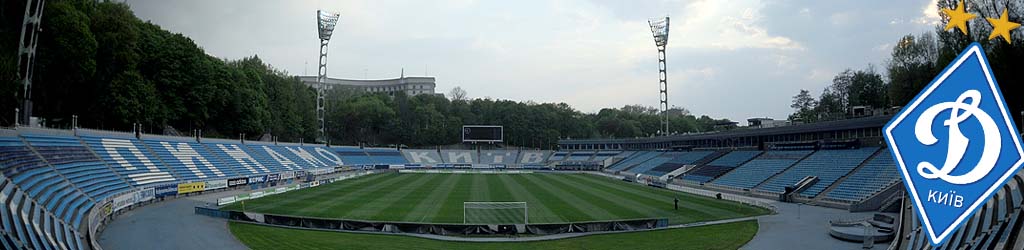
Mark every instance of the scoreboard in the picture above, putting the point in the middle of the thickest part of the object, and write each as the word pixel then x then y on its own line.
pixel 482 133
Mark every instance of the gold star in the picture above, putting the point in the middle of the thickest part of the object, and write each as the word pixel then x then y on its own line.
pixel 958 17
pixel 1001 27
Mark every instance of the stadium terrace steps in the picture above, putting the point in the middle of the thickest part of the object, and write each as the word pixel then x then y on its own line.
pixel 421 156
pixel 39 180
pixel 827 165
pixel 459 156
pixel 27 224
pixel 386 156
pixel 682 159
pixel 873 176
pixel 633 160
pixel 129 160
pixel 502 157
pixel 761 168
pixel 720 166
pixel 353 156
pixel 996 225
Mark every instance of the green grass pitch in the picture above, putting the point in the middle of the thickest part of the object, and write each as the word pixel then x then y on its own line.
pixel 722 236
pixel 438 198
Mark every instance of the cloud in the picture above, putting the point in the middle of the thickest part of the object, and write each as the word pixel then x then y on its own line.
pixel 732 59
pixel 726 25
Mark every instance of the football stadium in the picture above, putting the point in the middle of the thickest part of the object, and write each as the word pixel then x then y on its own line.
pixel 129 134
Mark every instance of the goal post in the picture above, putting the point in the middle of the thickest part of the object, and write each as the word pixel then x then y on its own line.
pixel 495 213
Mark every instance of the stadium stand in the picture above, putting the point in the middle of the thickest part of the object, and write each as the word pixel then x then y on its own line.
pixel 386 156
pixel 459 156
pixel 827 165
pixel 680 160
pixel 603 155
pixel 580 155
pixel 761 168
pixel 559 156
pixel 633 160
pixel 189 159
pixel 355 156
pixel 271 157
pixel 130 159
pixel 421 156
pixel 998 224
pixel 503 157
pixel 876 174
pixel 653 162
pixel 533 156
pixel 38 215
pixel 720 166
pixel 234 157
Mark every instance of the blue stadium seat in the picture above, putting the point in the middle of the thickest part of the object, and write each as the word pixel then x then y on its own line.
pixel 503 157
pixel 580 155
pixel 720 166
pixel 272 157
pixel 633 160
pixel 421 156
pixel 188 159
pixel 131 159
pixel 827 165
pixel 354 156
pixel 757 170
pixel 603 155
pixel 386 156
pixel 876 174
pixel 459 156
pixel 236 158
pixel 558 156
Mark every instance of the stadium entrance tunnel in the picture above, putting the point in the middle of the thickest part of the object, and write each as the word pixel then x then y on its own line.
pixel 435 228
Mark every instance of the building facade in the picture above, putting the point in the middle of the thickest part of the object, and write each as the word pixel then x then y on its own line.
pixel 411 85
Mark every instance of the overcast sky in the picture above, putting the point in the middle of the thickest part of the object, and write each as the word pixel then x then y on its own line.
pixel 731 59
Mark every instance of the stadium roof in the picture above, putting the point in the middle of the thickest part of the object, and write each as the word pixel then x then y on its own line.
pixel 864 122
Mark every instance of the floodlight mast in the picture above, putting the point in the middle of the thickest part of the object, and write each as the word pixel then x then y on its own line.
pixel 30 29
pixel 325 24
pixel 659 28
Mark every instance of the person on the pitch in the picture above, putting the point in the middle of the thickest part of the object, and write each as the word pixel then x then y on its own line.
pixel 677 203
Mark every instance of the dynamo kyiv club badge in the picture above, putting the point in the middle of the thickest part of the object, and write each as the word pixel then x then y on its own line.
pixel 955 144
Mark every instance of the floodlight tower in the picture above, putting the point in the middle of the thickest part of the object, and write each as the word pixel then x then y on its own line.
pixel 659 28
pixel 325 22
pixel 30 28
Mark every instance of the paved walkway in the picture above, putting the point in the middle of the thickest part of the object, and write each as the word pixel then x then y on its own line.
pixel 170 225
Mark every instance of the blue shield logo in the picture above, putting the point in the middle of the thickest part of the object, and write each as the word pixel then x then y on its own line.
pixel 955 144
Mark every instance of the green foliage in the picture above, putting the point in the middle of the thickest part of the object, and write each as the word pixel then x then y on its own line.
pixel 116 70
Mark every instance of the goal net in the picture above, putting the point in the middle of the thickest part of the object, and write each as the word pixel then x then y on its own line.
pixel 494 213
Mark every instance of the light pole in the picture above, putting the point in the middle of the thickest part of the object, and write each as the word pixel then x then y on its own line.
pixel 325 24
pixel 659 28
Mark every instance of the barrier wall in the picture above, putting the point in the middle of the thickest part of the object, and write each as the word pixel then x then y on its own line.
pixel 431 228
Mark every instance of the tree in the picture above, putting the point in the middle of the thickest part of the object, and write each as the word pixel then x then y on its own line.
pixel 458 94
pixel 803 107
pixel 912 67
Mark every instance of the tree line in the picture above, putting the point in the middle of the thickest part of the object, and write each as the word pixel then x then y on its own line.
pixel 917 59
pixel 98 61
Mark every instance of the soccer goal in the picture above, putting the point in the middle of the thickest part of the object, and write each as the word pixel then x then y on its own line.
pixel 494 213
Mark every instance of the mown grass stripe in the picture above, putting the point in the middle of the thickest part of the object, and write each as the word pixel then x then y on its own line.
pixel 345 201
pixel 401 201
pixel 301 196
pixel 593 211
pixel 616 207
pixel 540 211
pixel 387 197
pixel 711 209
pixel 451 211
pixel 653 207
pixel 431 205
